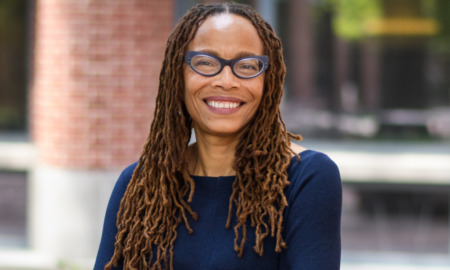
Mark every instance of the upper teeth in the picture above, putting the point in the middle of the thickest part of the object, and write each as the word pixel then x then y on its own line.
pixel 221 105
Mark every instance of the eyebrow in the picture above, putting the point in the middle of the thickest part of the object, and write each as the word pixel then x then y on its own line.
pixel 239 55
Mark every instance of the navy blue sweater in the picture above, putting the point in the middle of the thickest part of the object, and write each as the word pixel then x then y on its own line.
pixel 311 222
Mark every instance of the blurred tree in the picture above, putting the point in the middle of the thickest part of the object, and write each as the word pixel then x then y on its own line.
pixel 12 64
pixel 351 16
pixel 441 41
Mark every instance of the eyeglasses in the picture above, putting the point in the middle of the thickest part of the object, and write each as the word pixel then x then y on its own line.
pixel 244 67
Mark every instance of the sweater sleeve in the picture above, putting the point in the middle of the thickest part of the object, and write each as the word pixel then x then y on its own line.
pixel 312 219
pixel 106 249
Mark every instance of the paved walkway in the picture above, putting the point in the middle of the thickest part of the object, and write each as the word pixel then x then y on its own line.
pixel 393 261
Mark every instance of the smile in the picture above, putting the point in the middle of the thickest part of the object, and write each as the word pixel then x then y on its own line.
pixel 223 105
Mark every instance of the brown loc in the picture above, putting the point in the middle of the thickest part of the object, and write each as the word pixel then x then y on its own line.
pixel 157 198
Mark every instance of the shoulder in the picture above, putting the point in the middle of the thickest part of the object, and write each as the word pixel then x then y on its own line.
pixel 312 161
pixel 315 172
pixel 312 217
pixel 128 171
pixel 106 248
pixel 297 148
pixel 123 181
pixel 119 191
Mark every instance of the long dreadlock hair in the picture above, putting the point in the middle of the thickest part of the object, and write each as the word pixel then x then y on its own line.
pixel 157 198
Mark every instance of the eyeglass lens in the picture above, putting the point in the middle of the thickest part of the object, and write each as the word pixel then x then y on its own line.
pixel 208 65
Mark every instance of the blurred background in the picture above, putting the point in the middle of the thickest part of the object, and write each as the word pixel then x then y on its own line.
pixel 368 83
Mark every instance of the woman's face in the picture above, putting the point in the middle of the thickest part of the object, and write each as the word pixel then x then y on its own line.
pixel 223 104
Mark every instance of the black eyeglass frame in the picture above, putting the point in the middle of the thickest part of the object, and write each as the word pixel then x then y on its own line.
pixel 223 62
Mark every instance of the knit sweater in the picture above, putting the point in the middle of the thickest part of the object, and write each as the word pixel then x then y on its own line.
pixel 311 226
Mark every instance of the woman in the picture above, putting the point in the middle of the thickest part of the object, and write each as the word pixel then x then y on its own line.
pixel 242 196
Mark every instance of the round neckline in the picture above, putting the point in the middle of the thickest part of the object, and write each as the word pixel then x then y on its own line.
pixel 225 178
pixel 232 177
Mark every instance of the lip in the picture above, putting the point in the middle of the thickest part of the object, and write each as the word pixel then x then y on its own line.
pixel 223 99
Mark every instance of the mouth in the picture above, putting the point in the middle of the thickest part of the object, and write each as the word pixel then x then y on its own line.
pixel 223 103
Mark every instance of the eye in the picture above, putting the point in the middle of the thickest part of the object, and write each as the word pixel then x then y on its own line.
pixel 248 66
pixel 204 61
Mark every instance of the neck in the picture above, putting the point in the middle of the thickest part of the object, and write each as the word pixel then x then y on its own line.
pixel 212 156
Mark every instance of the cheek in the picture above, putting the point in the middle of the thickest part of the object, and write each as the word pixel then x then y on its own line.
pixel 192 81
pixel 186 80
pixel 258 89
pixel 189 86
pixel 192 86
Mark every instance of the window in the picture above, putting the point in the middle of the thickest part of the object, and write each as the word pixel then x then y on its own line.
pixel 13 65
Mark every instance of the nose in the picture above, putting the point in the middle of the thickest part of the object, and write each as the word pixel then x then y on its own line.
pixel 226 79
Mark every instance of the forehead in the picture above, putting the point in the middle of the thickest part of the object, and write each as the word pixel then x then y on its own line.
pixel 226 33
pixel 223 21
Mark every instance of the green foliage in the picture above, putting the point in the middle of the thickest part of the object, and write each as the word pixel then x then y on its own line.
pixel 65 265
pixel 11 14
pixel 441 43
pixel 13 64
pixel 351 16
pixel 10 118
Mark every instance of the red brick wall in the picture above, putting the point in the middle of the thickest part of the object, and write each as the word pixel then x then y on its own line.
pixel 96 70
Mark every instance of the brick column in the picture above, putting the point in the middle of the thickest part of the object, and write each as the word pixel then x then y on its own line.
pixel 96 69
pixel 95 78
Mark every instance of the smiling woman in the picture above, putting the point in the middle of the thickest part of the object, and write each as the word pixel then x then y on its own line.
pixel 222 76
pixel 206 97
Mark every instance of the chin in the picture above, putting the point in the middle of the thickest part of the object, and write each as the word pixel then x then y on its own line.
pixel 224 131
